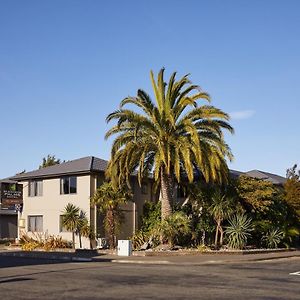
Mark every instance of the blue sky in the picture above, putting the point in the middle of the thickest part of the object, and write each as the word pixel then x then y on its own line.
pixel 65 65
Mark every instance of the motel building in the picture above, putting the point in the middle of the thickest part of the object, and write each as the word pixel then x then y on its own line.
pixel 33 202
pixel 11 200
pixel 47 191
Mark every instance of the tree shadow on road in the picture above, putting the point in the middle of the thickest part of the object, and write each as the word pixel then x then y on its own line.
pixel 30 258
pixel 15 280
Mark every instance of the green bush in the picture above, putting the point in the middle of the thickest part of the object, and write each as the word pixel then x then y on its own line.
pixel 273 237
pixel 150 219
pixel 238 231
pixel 172 227
pixel 151 215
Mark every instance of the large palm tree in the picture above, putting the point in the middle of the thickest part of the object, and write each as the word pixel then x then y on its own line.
pixel 168 137
pixel 71 219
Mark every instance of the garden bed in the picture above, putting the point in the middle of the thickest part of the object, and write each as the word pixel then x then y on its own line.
pixel 208 252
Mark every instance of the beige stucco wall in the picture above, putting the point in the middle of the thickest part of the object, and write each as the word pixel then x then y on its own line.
pixel 133 211
pixel 51 205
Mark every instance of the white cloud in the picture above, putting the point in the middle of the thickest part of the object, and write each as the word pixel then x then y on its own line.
pixel 242 115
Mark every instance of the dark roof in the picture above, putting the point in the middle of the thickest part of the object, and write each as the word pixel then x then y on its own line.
pixel 91 164
pixel 235 173
pixel 7 180
pixel 275 179
pixel 82 165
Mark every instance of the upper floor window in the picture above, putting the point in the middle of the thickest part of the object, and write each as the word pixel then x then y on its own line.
pixel 35 223
pixel 68 185
pixel 35 188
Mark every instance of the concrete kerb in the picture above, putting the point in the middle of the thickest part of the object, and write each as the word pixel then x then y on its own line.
pixel 153 260
pixel 60 256
pixel 207 259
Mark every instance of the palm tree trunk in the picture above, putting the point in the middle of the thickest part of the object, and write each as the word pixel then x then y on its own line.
pixel 217 231
pixel 166 194
pixel 111 228
pixel 80 243
pixel 216 236
pixel 203 237
pixel 73 239
pixel 221 237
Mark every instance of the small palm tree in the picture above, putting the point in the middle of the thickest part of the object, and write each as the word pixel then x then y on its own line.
pixel 108 199
pixel 86 230
pixel 169 136
pixel 221 208
pixel 70 220
pixel 238 231
pixel 82 225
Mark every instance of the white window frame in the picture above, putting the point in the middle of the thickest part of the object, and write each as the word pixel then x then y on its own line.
pixel 61 182
pixel 35 188
pixel 34 223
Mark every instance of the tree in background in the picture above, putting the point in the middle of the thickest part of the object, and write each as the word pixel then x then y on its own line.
pixel 108 200
pixel 255 194
pixel 22 172
pixel 292 189
pixel 169 136
pixel 50 160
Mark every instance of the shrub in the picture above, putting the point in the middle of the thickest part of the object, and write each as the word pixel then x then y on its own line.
pixel 291 235
pixel 29 243
pixel 203 248
pixel 238 231
pixel 273 237
pixel 151 215
pixel 139 239
pixel 172 227
pixel 56 242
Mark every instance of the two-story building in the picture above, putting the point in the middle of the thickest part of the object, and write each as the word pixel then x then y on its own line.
pixel 47 191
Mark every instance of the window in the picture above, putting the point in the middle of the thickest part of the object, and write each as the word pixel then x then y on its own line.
pixel 68 185
pixel 35 188
pixel 62 228
pixel 35 223
pixel 144 188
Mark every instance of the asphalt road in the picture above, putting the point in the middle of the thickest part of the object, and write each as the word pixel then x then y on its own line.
pixel 24 278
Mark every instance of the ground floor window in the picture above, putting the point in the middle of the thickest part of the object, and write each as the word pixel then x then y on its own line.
pixel 35 223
